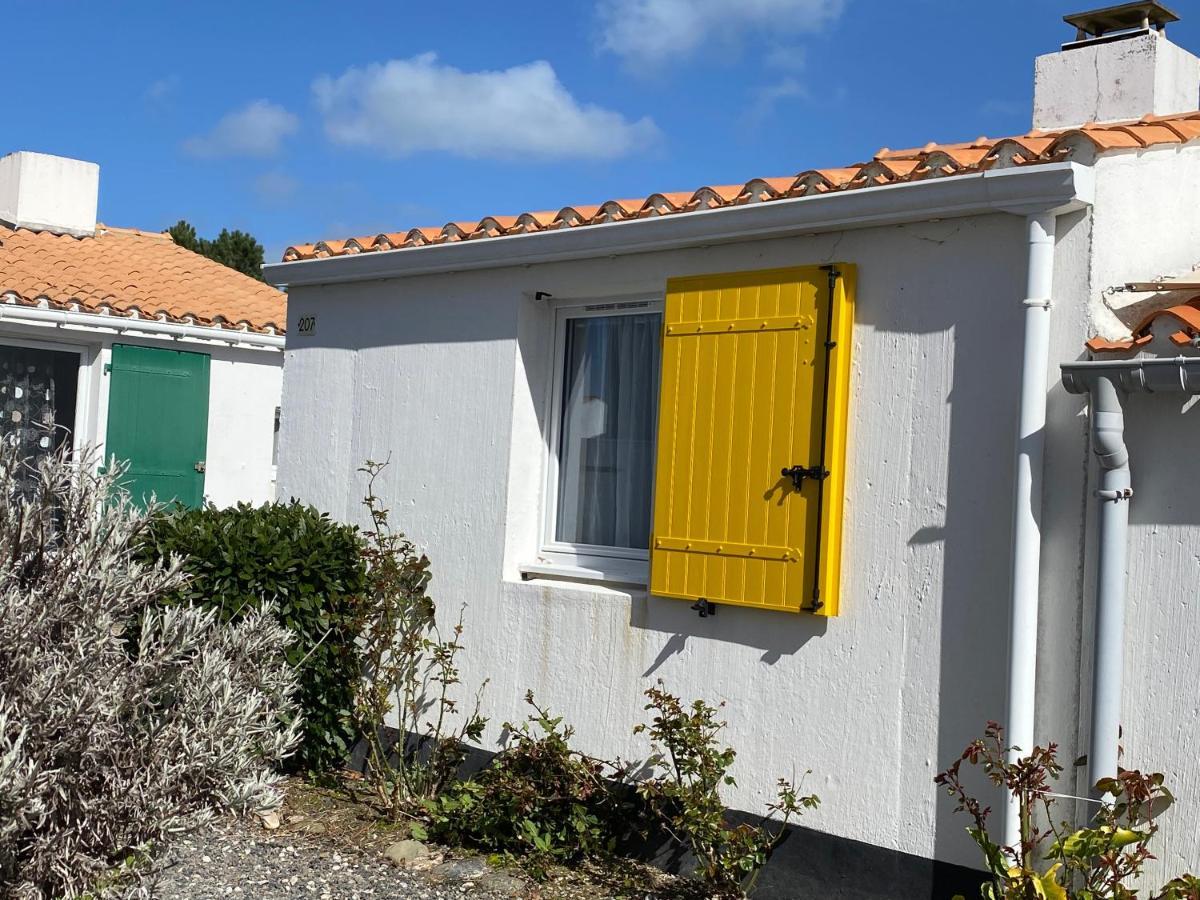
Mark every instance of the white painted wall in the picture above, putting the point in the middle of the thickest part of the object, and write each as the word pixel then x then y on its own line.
pixel 244 389
pixel 449 374
pixel 1114 81
pixel 245 386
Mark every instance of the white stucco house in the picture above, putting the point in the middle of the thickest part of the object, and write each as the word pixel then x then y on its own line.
pixel 131 345
pixel 806 445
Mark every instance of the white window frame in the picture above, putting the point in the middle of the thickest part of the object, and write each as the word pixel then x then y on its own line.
pixel 80 438
pixel 585 561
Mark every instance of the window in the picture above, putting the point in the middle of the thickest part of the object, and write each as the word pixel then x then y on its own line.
pixel 39 386
pixel 726 484
pixel 37 397
pixel 605 407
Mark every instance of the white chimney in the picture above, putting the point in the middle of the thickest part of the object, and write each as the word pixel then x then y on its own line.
pixel 1120 66
pixel 49 193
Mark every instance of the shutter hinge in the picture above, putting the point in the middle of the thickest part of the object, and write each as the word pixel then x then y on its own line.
pixel 705 608
pixel 107 368
pixel 835 275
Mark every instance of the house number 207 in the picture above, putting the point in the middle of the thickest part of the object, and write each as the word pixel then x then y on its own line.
pixel 307 325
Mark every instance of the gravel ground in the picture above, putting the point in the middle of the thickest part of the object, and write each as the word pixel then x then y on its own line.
pixel 242 860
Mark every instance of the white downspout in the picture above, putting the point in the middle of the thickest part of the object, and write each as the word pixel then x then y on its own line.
pixel 1108 660
pixel 1027 502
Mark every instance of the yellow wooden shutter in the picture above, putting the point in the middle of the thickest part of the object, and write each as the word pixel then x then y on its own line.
pixel 744 395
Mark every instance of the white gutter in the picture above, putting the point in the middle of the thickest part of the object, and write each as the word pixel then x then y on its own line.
pixel 63 318
pixel 1024 190
pixel 1027 505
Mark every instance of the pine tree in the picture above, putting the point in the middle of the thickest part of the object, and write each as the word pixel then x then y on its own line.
pixel 235 249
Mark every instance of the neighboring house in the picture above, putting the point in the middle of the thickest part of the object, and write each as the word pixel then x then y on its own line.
pixel 590 412
pixel 132 345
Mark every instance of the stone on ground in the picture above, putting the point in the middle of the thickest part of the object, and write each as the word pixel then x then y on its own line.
pixel 404 852
pixel 456 870
pixel 505 884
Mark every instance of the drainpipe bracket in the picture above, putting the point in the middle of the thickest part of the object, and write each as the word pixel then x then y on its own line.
pixel 1039 302
pixel 1123 494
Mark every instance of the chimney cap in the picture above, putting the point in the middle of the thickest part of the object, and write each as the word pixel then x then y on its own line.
pixel 1124 17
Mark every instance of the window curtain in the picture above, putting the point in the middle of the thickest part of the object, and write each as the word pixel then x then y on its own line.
pixel 606 449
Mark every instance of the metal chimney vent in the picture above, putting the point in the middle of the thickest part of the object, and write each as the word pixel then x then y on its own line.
pixel 1117 23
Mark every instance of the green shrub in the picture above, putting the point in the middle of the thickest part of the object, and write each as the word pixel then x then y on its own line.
pixel 311 568
pixel 538 799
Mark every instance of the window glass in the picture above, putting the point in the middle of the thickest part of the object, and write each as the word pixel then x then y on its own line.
pixel 37 397
pixel 606 445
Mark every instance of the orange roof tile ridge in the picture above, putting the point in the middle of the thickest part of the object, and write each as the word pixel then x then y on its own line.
pixel 887 166
pixel 131 273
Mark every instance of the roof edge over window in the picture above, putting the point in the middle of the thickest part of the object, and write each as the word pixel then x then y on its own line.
pixel 1050 187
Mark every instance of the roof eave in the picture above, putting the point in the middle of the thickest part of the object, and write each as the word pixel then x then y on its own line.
pixel 1048 187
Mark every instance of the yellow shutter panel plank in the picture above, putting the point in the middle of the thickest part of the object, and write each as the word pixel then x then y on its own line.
pixel 744 395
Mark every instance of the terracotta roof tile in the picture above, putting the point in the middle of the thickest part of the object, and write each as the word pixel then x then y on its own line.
pixel 131 272
pixel 1186 314
pixel 886 167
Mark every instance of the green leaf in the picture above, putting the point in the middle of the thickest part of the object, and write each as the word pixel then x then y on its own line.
pixel 1087 843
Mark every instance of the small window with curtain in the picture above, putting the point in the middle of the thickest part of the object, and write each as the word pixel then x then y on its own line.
pixel 605 409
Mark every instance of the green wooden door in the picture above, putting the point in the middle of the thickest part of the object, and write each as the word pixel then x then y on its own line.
pixel 158 421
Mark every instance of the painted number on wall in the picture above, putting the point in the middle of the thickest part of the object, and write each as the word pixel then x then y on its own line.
pixel 307 325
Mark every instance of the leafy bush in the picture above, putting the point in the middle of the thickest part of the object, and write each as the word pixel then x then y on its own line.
pixel 409 671
pixel 686 797
pixel 104 749
pixel 310 569
pixel 538 797
pixel 1054 860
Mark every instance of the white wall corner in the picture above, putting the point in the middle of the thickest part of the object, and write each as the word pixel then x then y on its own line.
pixel 49 193
pixel 1114 81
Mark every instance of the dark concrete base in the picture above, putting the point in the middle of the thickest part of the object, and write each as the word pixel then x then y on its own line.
pixel 810 864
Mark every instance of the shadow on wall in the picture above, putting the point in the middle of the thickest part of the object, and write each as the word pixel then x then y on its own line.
pixel 972 541
pixel 777 634
pixel 1160 430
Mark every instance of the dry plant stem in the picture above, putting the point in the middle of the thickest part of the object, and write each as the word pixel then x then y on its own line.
pixel 409 671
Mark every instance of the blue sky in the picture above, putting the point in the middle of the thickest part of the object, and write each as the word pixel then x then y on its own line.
pixel 299 121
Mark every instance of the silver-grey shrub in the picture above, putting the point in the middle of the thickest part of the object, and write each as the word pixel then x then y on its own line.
pixel 120 723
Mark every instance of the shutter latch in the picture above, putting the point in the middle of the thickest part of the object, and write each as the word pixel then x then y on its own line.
pixel 705 608
pixel 799 473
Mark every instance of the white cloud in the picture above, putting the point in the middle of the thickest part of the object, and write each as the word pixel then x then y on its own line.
pixel 257 129
pixel 275 187
pixel 646 33
pixel 768 97
pixel 160 91
pixel 406 106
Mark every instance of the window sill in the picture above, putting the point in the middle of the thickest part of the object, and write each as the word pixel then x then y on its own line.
pixel 613 571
